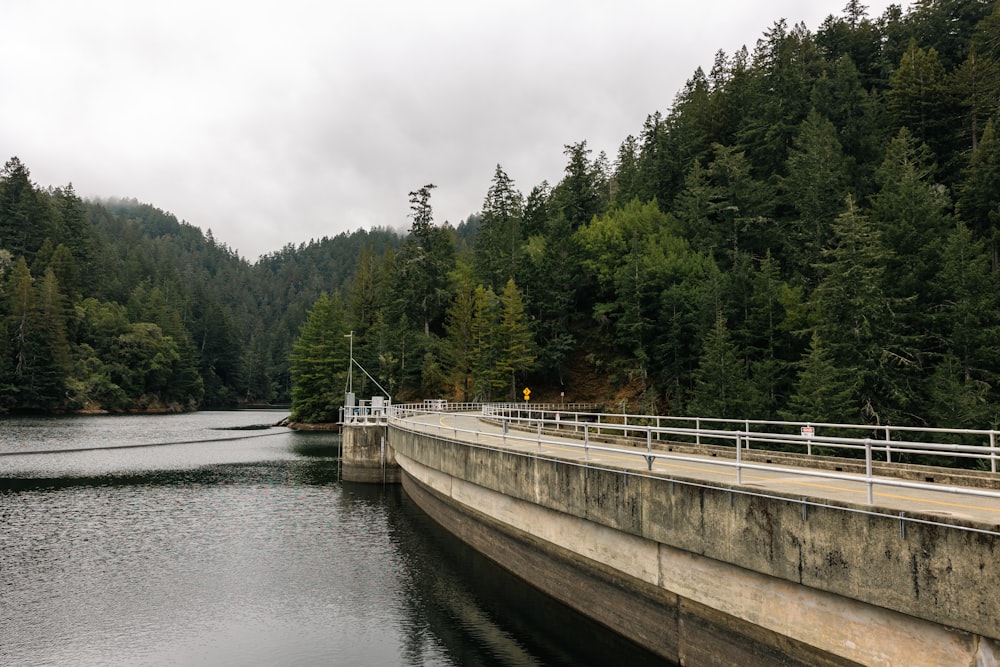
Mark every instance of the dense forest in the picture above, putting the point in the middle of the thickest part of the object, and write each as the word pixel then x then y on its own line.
pixel 810 231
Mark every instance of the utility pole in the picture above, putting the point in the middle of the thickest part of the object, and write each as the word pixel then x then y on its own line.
pixel 350 364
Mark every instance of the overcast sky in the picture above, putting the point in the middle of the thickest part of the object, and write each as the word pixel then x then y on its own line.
pixel 274 122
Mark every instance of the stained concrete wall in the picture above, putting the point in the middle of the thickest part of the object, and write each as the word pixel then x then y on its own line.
pixel 366 455
pixel 819 585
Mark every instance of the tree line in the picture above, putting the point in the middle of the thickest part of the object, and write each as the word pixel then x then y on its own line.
pixel 809 232
pixel 117 306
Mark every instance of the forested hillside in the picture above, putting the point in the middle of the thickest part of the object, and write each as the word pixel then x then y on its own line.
pixel 115 305
pixel 809 231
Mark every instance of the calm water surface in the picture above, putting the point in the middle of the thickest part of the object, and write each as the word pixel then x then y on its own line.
pixel 188 540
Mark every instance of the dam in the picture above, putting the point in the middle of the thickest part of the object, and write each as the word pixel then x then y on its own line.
pixel 705 547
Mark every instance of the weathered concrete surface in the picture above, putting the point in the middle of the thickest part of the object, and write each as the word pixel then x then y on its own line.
pixel 825 586
pixel 646 614
pixel 367 456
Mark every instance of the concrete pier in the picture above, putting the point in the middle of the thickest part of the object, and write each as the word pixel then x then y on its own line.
pixel 366 455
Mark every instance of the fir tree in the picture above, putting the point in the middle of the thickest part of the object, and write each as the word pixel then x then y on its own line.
pixel 721 383
pixel 319 363
pixel 823 392
pixel 515 338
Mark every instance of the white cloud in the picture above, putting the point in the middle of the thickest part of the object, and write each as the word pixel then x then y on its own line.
pixel 276 122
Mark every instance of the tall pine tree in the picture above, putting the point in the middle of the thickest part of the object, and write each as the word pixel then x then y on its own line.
pixel 320 359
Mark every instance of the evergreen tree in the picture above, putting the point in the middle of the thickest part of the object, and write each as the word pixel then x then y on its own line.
pixel 515 340
pixel 498 245
pixel 367 290
pixel 36 330
pixel 979 195
pixel 766 335
pixel 485 352
pixel 692 127
pixel 814 188
pixel 458 327
pixel 625 185
pixel 53 311
pixel 855 320
pixel 724 210
pixel 976 88
pixel 66 270
pixel 258 362
pixel 785 63
pixel 911 213
pixel 858 115
pixel 6 360
pixel 578 196
pixel 77 235
pixel 421 212
pixel 823 391
pixel 685 310
pixel 963 401
pixel 433 377
pixel 24 217
pixel 948 26
pixel 692 208
pixel 918 99
pixel 967 326
pixel 855 37
pixel 319 362
pixel 721 382
pixel 655 170
pixel 21 326
pixel 423 265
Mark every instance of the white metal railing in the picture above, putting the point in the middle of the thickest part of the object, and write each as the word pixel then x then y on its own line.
pixel 364 413
pixel 885 440
pixel 589 431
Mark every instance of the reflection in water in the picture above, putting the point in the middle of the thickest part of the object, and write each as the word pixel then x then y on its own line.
pixel 248 552
pixel 487 616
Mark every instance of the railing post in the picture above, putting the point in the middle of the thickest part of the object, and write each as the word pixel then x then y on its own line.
pixel 697 430
pixel 868 470
pixel 888 439
pixel 739 459
pixel 993 451
pixel 586 442
pixel 539 436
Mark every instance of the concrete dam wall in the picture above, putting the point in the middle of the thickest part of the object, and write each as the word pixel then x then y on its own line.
pixel 703 575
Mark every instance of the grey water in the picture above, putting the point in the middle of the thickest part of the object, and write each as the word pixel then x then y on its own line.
pixel 195 540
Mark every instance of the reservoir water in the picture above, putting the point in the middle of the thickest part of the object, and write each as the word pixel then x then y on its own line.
pixel 196 540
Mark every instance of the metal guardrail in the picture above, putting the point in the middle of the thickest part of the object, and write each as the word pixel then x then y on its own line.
pixel 883 439
pixel 366 414
pixel 534 426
